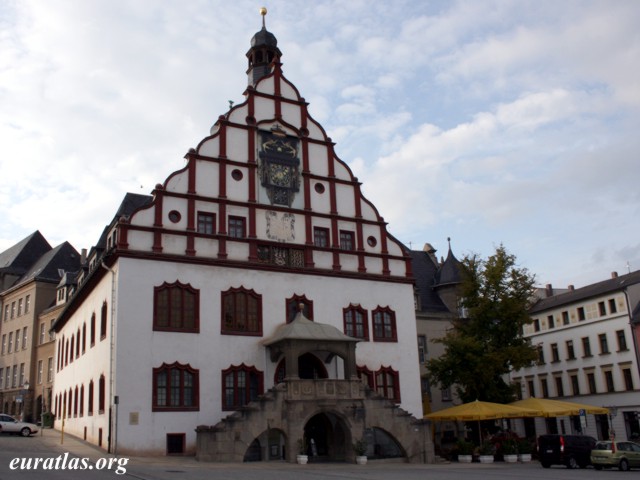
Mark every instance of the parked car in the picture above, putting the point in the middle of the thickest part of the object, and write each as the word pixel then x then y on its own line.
pixel 8 424
pixel 570 450
pixel 624 455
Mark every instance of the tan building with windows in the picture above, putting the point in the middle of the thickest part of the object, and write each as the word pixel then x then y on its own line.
pixel 588 352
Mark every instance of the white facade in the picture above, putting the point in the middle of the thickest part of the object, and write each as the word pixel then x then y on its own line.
pixel 588 355
pixel 271 248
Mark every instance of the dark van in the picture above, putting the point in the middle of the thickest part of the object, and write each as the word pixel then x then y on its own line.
pixel 570 450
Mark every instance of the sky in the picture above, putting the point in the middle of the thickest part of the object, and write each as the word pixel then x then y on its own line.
pixel 485 121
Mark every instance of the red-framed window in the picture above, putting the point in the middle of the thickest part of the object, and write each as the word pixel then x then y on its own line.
pixel 241 312
pixel 384 325
pixel 293 307
pixel 347 240
pixel 176 308
pixel 92 330
pixel 90 399
pixel 366 376
pixel 388 383
pixel 321 237
pixel 103 321
pixel 102 394
pixel 206 223
pixel 237 227
pixel 356 323
pixel 175 388
pixel 240 385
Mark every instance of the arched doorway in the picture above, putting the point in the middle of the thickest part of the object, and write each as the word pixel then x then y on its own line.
pixel 327 438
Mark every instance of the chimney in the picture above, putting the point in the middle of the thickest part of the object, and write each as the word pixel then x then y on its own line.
pixel 571 288
pixel 83 256
pixel 614 274
pixel 548 290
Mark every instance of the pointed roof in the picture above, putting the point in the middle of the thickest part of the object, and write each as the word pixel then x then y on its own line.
pixel 52 266
pixel 301 328
pixel 21 256
pixel 264 50
pixel 449 272
pixel 424 271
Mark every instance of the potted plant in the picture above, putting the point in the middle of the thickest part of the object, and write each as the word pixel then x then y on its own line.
pixel 302 458
pixel 509 451
pixel 525 448
pixel 360 449
pixel 465 451
pixel 486 452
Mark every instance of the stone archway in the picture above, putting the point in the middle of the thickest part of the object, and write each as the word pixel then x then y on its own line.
pixel 328 438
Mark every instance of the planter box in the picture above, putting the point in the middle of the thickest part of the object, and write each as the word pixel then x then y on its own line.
pixel 465 458
pixel 302 459
pixel 361 459
pixel 486 458
pixel 511 458
pixel 524 457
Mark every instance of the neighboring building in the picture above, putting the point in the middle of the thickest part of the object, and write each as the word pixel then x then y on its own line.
pixel 437 306
pixel 31 273
pixel 588 346
pixel 234 299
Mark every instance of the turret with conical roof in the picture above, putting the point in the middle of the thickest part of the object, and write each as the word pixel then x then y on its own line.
pixel 264 50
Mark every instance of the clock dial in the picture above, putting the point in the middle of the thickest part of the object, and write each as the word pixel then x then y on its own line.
pixel 280 175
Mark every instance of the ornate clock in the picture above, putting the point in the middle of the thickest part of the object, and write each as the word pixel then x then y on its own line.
pixel 279 166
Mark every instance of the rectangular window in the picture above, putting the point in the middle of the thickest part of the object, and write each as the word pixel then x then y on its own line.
pixel 21 374
pixel 24 337
pixel 241 312
pixel 6 313
pixel 555 356
pixel 10 344
pixel 591 381
pixel 550 321
pixel 347 240
pixel 320 237
pixel 602 310
pixel 612 305
pixel 626 374
pixel 27 304
pixel 422 348
pixel 237 227
pixel 608 380
pixel 1 378
pixel 586 347
pixel 40 372
pixel 545 388
pixel 42 337
pixel 176 308
pixel 50 370
pixel 559 387
pixel 445 394
pixel 581 315
pixel 7 382
pixel 4 343
pixel 565 318
pixel 532 388
pixel 536 325
pixel 540 355
pixel 14 383
pixel 604 346
pixel 17 347
pixel 206 223
pixel 13 309
pixel 575 385
pixel 19 307
pixel 622 341
pixel 570 351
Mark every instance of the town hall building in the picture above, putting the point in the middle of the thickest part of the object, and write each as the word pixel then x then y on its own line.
pixel 253 306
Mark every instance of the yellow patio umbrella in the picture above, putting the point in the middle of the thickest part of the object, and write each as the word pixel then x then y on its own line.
pixel 479 410
pixel 558 408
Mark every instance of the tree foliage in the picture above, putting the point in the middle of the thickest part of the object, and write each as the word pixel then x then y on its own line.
pixel 487 343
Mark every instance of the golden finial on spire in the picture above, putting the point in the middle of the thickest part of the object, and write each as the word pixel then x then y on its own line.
pixel 263 12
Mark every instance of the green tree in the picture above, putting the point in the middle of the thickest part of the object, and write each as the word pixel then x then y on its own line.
pixel 487 344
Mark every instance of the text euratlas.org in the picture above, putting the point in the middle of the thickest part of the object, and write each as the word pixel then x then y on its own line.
pixel 64 462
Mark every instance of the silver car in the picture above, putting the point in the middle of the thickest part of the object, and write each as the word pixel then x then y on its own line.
pixel 8 424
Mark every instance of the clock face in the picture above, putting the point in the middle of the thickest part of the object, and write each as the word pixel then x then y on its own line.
pixel 280 175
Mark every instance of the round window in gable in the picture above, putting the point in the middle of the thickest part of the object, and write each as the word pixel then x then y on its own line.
pixel 236 174
pixel 319 187
pixel 372 242
pixel 174 216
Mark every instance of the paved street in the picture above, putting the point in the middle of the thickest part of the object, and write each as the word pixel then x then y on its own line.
pixel 178 468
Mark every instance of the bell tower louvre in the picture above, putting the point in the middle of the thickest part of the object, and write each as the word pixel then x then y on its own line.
pixel 257 283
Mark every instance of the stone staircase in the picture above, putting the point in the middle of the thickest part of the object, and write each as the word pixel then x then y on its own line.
pixel 284 410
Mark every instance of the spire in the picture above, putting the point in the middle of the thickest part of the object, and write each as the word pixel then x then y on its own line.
pixel 263 52
pixel 449 272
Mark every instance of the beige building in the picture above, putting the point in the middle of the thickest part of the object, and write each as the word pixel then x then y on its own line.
pixel 32 271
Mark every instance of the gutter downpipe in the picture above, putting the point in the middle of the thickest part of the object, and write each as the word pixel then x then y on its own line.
pixel 113 429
